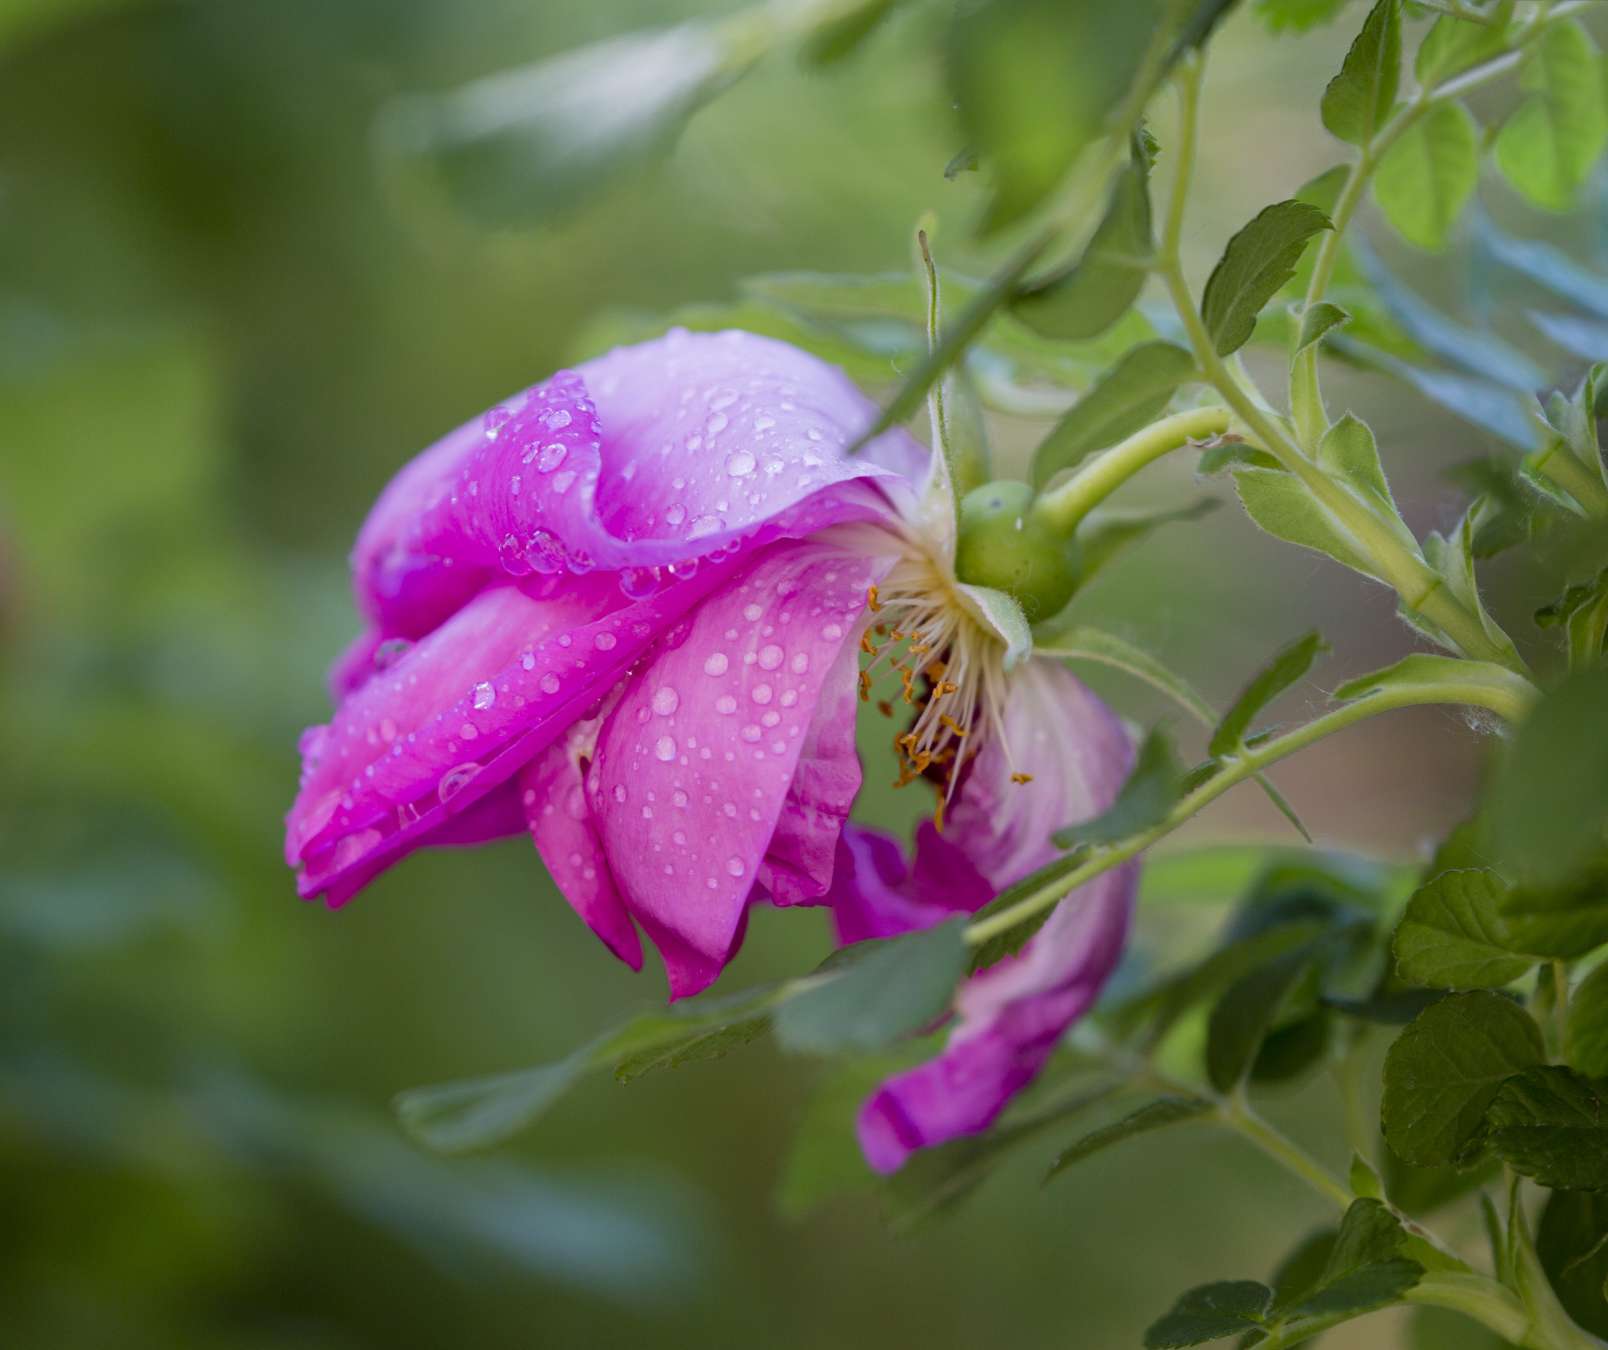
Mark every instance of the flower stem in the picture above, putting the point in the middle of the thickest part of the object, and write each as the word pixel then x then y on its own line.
pixel 1066 505
pixel 1508 702
pixel 1236 1113
pixel 1421 589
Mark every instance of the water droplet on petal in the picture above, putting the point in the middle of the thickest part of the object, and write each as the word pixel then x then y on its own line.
pixel 549 683
pixel 770 657
pixel 715 664
pixel 735 866
pixel 665 701
pixel 664 749
pixel 604 642
pixel 455 780
pixel 485 696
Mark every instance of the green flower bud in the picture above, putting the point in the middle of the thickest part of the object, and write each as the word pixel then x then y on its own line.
pixel 1003 545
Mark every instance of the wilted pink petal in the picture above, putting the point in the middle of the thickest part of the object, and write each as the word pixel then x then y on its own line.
pixel 1009 1017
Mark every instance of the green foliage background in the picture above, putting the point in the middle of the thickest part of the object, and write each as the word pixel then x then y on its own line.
pixel 223 324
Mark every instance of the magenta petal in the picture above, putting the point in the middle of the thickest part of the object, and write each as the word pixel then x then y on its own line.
pixel 457 715
pixel 874 894
pixel 1011 1016
pixel 698 761
pixel 699 444
pixel 553 795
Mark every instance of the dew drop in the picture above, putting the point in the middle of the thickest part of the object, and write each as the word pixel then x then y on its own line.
pixel 550 457
pixel 715 664
pixel 605 642
pixel 664 749
pixel 455 780
pixel 485 696
pixel 735 866
pixel 549 683
pixel 665 701
pixel 726 704
pixel 770 657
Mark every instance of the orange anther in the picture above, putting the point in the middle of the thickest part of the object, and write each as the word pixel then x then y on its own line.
pixel 872 601
pixel 1021 778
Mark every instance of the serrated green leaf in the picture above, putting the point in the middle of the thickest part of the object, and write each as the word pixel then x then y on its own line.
pixel 1279 502
pixel 1126 398
pixel 1149 793
pixel 1547 148
pixel 1426 178
pixel 1210 1312
pixel 1357 101
pixel 1155 1115
pixel 1035 82
pixel 696 1047
pixel 1086 298
pixel 1453 936
pixel 1303 1268
pixel 1445 1069
pixel 1244 1016
pixel 898 986
pixel 1256 263
pixel 1588 1025
pixel 1570 1241
pixel 1317 321
pixel 1549 801
pixel 1361 1291
pixel 1551 1124
pixel 1452 45
pixel 1284 670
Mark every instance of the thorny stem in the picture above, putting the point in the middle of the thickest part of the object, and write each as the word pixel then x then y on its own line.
pixel 1421 590
pixel 1507 702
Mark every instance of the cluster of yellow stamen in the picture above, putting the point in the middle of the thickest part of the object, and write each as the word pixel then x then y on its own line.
pixel 950 671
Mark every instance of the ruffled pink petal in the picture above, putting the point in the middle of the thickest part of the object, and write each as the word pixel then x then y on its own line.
pixel 1011 1016
pixel 717 752
pixel 566 834
pixel 697 445
pixel 458 714
pixel 875 894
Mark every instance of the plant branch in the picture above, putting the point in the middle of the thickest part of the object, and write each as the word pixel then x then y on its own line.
pixel 1067 504
pixel 1508 703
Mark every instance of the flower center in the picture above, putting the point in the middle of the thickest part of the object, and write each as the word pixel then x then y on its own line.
pixel 951 669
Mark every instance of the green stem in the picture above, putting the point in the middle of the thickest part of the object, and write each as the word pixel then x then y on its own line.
pixel 1304 369
pixel 1236 1113
pixel 1508 702
pixel 1560 999
pixel 1066 505
pixel 1559 464
pixel 1475 1296
pixel 1421 590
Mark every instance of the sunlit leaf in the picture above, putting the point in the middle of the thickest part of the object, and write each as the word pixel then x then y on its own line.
pixel 1452 935
pixel 1359 99
pixel 1428 175
pixel 1255 264
pixel 1547 148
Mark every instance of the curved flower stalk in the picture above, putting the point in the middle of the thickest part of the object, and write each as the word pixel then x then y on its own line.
pixel 632 611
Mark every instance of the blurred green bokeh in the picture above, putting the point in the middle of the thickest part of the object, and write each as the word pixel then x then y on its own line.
pixel 222 327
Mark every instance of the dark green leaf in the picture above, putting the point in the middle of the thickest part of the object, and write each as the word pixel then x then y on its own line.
pixel 1426 178
pixel 1549 1123
pixel 1285 669
pixel 695 1047
pixel 1443 1071
pixel 1361 1291
pixel 1547 148
pixel 472 1114
pixel 1570 1240
pixel 1359 99
pixel 1303 1268
pixel 1148 795
pixel 1294 1049
pixel 897 987
pixel 1126 398
pixel 1566 920
pixel 1256 263
pixel 1086 298
pixel 1588 1025
pixel 1035 82
pixel 1422 1190
pixel 1247 1012
pixel 1452 935
pixel 1394 1009
pixel 1156 1115
pixel 1211 1312
pixel 1549 802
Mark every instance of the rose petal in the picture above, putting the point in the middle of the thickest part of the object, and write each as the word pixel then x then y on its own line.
pixel 698 760
pixel 458 714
